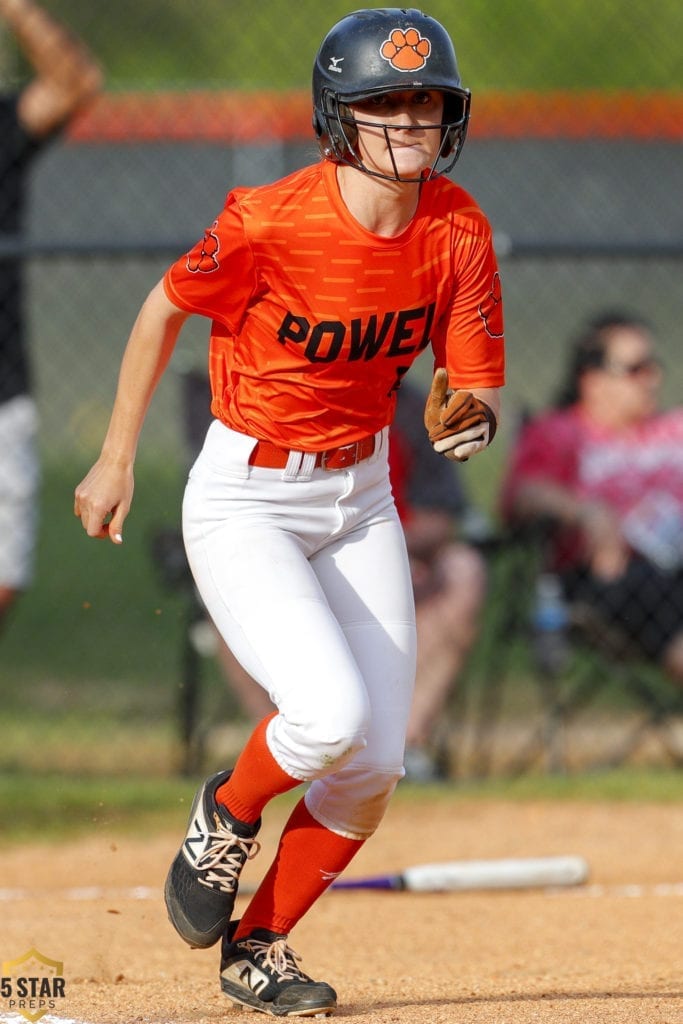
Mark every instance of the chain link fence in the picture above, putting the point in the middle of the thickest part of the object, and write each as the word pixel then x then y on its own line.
pixel 574 153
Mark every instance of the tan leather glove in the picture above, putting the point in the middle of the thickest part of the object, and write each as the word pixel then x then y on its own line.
pixel 458 423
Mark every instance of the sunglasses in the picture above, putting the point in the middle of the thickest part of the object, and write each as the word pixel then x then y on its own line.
pixel 648 365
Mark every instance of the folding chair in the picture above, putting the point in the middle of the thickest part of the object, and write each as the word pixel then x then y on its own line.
pixel 597 662
pixel 504 642
pixel 608 659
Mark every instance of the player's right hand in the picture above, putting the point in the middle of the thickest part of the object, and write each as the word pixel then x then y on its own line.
pixel 458 423
pixel 103 498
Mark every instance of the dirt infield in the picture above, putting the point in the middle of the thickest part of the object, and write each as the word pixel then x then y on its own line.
pixel 611 951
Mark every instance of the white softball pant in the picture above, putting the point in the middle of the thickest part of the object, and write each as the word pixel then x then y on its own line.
pixel 305 574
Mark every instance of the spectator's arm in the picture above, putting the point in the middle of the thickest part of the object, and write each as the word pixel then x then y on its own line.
pixel 66 75
pixel 603 544
pixel 541 478
pixel 535 498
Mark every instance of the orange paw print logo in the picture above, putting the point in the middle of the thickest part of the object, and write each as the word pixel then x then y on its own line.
pixel 406 51
pixel 203 258
pixel 491 309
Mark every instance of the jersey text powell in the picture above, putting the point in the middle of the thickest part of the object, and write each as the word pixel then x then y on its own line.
pixel 400 332
pixel 293 283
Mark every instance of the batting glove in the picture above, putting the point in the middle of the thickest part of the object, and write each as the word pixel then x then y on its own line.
pixel 458 424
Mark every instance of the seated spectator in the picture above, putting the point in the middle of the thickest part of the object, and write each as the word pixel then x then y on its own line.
pixel 605 466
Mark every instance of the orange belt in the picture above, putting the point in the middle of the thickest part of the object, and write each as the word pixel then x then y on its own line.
pixel 269 456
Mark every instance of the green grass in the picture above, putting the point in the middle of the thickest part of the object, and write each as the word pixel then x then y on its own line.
pixel 97 616
pixel 48 807
pixel 646 785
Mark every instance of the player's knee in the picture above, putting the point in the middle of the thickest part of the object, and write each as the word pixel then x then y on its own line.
pixel 353 801
pixel 314 745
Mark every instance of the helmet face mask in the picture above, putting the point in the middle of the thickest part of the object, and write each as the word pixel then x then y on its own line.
pixel 376 52
pixel 341 139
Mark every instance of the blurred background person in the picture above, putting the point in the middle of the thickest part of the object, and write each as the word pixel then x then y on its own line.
pixel 449 578
pixel 65 76
pixel 604 466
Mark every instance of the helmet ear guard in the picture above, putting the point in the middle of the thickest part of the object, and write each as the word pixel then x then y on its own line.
pixel 335 129
pixel 456 115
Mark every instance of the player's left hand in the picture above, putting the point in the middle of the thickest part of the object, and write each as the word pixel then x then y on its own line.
pixel 458 423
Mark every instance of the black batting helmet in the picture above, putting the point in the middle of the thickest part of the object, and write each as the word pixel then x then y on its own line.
pixel 375 51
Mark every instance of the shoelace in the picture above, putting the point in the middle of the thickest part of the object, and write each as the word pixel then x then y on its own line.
pixel 279 958
pixel 225 857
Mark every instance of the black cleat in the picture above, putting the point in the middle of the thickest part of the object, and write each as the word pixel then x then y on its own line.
pixel 260 972
pixel 202 882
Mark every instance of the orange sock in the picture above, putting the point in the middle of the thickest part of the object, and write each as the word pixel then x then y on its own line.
pixel 256 778
pixel 308 860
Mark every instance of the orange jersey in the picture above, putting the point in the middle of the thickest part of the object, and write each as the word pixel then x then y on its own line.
pixel 316 319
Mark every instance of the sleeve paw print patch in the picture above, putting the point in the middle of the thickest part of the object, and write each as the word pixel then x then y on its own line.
pixel 204 257
pixel 406 51
pixel 491 309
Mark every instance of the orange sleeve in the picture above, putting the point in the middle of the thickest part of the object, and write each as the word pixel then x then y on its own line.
pixel 469 340
pixel 217 278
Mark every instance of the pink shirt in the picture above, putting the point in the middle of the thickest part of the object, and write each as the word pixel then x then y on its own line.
pixel 634 471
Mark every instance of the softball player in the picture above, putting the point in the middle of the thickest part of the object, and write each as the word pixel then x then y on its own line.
pixel 322 290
